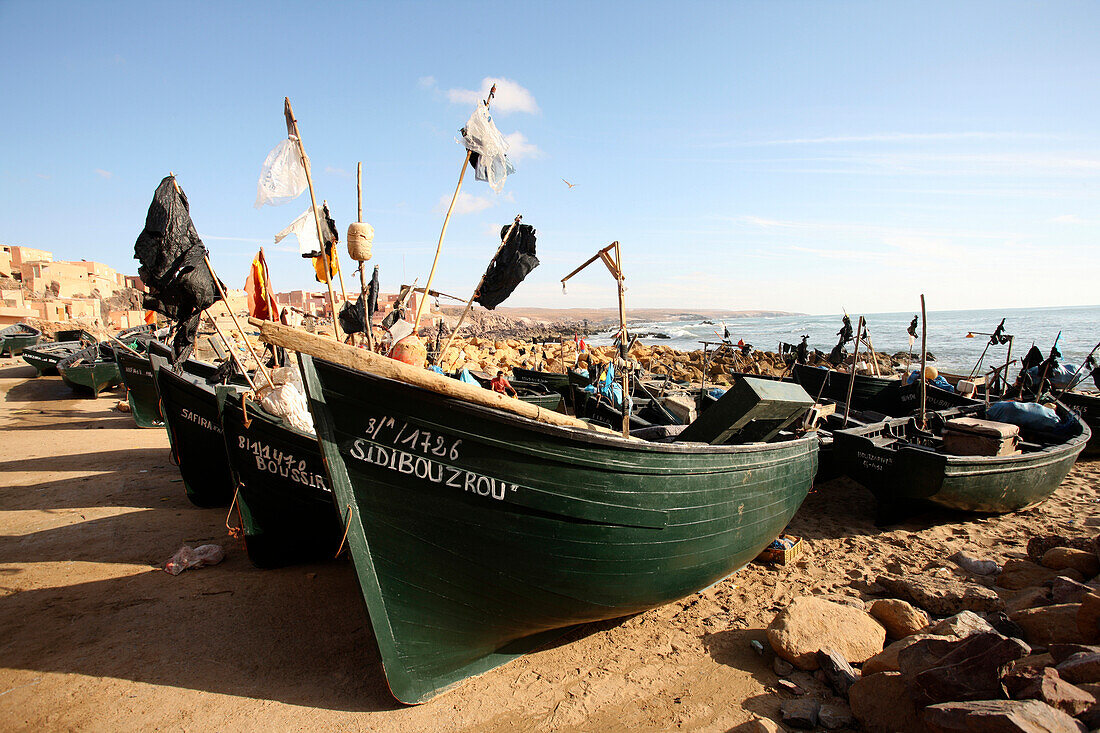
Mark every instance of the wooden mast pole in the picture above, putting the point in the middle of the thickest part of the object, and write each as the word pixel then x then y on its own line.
pixel 369 327
pixel 443 232
pixel 336 266
pixel 470 302
pixel 625 339
pixel 852 373
pixel 236 323
pixel 232 351
pixel 292 129
pixel 923 361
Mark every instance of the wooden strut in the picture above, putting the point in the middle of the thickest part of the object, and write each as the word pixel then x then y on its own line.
pixel 336 265
pixel 923 362
pixel 292 130
pixel 443 232
pixel 615 267
pixel 852 373
pixel 366 361
pixel 233 352
pixel 470 302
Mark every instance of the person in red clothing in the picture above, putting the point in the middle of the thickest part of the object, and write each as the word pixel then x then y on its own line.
pixel 502 385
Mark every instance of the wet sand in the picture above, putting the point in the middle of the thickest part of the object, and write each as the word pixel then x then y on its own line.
pixel 97 637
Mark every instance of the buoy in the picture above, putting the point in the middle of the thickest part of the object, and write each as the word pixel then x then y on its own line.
pixel 360 238
pixel 410 350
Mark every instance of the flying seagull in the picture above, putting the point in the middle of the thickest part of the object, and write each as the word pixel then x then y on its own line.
pixel 567 183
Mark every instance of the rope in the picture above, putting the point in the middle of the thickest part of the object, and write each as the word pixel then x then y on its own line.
pixel 238 531
pixel 347 526
pixel 244 409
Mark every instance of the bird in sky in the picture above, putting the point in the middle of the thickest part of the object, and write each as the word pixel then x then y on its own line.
pixel 567 183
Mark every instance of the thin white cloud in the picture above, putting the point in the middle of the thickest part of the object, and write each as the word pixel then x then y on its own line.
pixel 339 172
pixel 1069 219
pixel 426 82
pixel 104 174
pixel 467 203
pixel 43 176
pixel 510 96
pixel 519 148
pixel 899 137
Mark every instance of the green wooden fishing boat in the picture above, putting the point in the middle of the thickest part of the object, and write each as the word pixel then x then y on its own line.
pixel 141 387
pixel 190 410
pixel 902 464
pixel 868 392
pixel 91 370
pixel 45 357
pixel 286 507
pixel 17 337
pixel 75 334
pixel 907 399
pixel 559 382
pixel 478 535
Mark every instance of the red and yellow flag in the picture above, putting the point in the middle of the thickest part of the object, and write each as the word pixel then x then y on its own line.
pixel 261 297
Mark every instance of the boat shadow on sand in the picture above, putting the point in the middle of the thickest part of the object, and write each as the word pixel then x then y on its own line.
pixel 45 388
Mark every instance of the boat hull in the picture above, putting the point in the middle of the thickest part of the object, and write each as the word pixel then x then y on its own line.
pixel 985 484
pixel 908 400
pixel 1086 405
pixel 90 378
pixel 141 388
pixel 286 507
pixel 45 357
pixel 14 345
pixel 868 393
pixel 477 535
pixel 190 411
pixel 553 380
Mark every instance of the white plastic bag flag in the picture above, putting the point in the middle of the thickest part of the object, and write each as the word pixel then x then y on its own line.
pixel 283 178
pixel 305 228
pixel 482 138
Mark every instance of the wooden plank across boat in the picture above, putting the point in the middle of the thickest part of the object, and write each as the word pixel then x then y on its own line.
pixel 286 507
pixel 17 337
pixel 91 370
pixel 901 464
pixel 478 535
pixel 141 387
pixel 45 357
pixel 868 393
pixel 190 410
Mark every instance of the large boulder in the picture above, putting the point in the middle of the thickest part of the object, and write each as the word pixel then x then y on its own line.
pixel 1020 574
pixel 887 659
pixel 960 625
pixel 1048 625
pixel 1088 617
pixel 809 624
pixel 880 702
pixel 997 716
pixel 1045 685
pixel 900 618
pixel 1039 546
pixel 1079 668
pixel 942 596
pixel 939 670
pixel 1064 558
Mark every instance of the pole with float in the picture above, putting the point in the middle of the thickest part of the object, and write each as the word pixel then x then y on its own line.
pixel 360 238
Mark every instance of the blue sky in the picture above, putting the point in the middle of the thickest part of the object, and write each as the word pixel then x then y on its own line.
pixel 779 155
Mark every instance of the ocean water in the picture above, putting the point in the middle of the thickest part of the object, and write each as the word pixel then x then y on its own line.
pixel 1080 327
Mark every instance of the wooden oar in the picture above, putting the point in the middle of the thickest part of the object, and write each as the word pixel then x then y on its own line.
pixel 382 366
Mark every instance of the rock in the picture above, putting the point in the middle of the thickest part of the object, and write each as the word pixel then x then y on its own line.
pixel 834 714
pixel 1048 625
pixel 887 659
pixel 1061 652
pixel 790 687
pixel 1019 574
pixel 1048 687
pixel 880 702
pixel 1064 558
pixel 800 713
pixel 974 565
pixel 1031 663
pixel 1029 598
pixel 809 683
pixel 1005 625
pixel 1038 546
pixel 123 406
pixel 782 667
pixel 997 716
pixel 942 596
pixel 809 624
pixel 1067 590
pixel 937 671
pixel 901 619
pixel 839 673
pixel 1080 667
pixel 960 625
pixel 763 725
pixel 1088 617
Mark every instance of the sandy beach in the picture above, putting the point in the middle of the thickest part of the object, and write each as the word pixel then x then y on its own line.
pixel 98 637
